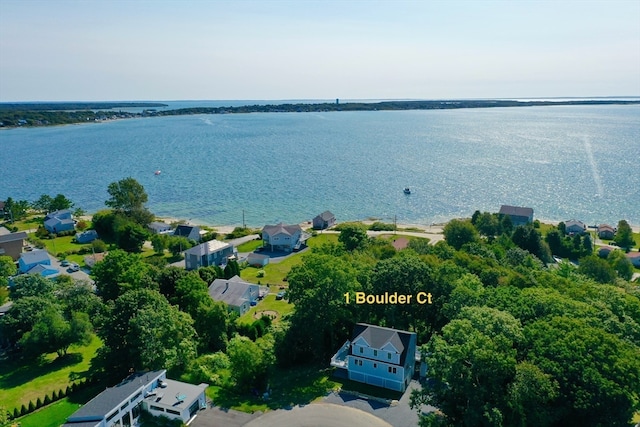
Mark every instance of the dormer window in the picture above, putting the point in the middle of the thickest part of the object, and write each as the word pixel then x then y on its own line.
pixel 375 352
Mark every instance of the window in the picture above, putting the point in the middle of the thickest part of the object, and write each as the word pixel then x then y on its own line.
pixel 124 406
pixel 171 411
pixel 112 416
pixel 392 370
pixel 389 356
pixel 361 350
pixel 375 365
pixel 375 352
pixel 156 408
pixel 135 397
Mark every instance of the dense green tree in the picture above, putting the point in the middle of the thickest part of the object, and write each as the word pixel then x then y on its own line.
pixel 53 333
pixel 126 196
pixel 159 242
pixel 177 244
pixel 7 269
pixel 596 268
pixel 459 232
pixel 31 285
pixel 529 239
pixel 597 373
pixel 104 222
pixel 16 211
pixel 250 361
pixel 43 204
pixel 119 272
pixel 624 235
pixel 231 269
pixel 210 273
pixel 470 365
pixel 407 275
pixel 23 315
pixel 317 287
pixel 60 202
pixel 488 225
pixel 143 331
pixel 353 236
pixel 621 264
pixel 131 237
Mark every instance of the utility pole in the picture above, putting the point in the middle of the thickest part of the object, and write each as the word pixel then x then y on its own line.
pixel 395 224
pixel 244 225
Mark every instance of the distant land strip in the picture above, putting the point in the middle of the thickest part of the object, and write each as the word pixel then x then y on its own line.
pixel 50 114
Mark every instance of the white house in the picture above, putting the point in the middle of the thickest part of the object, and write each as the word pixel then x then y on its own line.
pixel 236 293
pixel 158 227
pixel 257 260
pixel 379 356
pixel 213 252
pixel 121 405
pixel 282 237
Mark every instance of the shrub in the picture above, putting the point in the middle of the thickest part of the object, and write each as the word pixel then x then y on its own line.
pixel 54 396
pixel 381 226
pixel 32 407
pixel 47 399
pixel 23 410
pixel 38 403
pixel 260 273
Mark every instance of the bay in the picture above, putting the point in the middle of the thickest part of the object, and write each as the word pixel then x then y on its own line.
pixel 565 162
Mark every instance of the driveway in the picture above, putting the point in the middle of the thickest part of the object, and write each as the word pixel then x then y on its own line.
pixel 216 417
pixel 318 414
pixel 398 414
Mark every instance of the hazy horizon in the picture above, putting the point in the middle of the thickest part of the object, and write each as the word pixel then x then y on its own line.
pixel 77 51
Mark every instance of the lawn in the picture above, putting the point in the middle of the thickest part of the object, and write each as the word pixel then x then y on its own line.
pixel 62 244
pixel 297 385
pixel 22 381
pixel 276 272
pixel 249 246
pixel 289 387
pixel 269 303
pixel 56 414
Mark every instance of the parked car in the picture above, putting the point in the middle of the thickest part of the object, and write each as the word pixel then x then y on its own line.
pixel 64 263
pixel 73 268
pixel 280 295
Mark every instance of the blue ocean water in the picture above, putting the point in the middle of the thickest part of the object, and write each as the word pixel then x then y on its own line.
pixel 564 161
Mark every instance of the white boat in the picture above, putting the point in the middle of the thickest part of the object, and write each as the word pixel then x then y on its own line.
pixel 157 172
pixel 407 190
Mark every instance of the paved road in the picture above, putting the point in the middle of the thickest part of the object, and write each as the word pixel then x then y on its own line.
pixel 217 417
pixel 318 414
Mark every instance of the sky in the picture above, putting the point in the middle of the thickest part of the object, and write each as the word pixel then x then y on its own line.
pixel 54 50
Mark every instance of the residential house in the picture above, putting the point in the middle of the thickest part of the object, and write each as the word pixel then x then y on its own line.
pixel 59 221
pixel 44 270
pixel 606 232
pixel 28 260
pixel 518 215
pixel 91 260
pixel 604 251
pixel 634 257
pixel 325 220
pixel 282 237
pixel 213 252
pixel 159 227
pixel 236 293
pixel 189 231
pixel 86 236
pixel 11 244
pixel 379 356
pixel 575 227
pixel 122 404
pixel 257 260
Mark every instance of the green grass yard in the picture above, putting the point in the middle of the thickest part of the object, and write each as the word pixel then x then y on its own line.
pixel 270 303
pixel 24 381
pixel 249 246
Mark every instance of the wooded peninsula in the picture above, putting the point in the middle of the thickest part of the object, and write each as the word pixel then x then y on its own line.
pixel 53 113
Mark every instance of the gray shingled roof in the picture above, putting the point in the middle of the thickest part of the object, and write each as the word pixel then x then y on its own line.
pixel 11 237
pixel 326 215
pixel 378 336
pixel 272 230
pixel 101 405
pixel 183 230
pixel 229 291
pixel 516 210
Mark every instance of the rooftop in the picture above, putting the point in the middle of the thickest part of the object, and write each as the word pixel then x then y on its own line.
pixel 230 291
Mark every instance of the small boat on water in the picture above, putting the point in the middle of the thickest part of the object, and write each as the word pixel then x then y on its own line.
pixel 407 190
pixel 157 172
